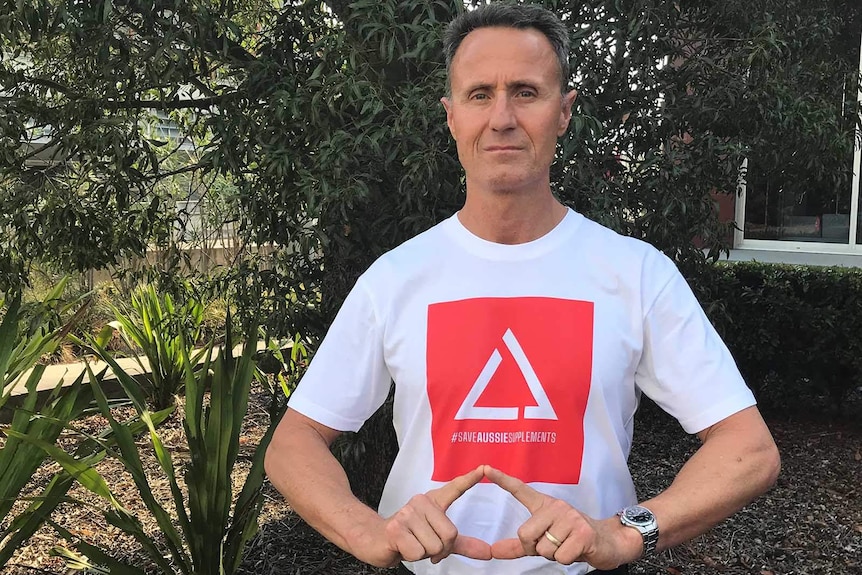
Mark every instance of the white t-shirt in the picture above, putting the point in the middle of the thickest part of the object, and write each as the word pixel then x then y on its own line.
pixel 527 357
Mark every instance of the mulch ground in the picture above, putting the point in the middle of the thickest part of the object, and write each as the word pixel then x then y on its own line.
pixel 810 523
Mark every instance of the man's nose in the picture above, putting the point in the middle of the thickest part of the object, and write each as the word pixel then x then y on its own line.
pixel 502 114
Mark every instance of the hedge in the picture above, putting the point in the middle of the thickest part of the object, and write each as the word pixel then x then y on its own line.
pixel 795 331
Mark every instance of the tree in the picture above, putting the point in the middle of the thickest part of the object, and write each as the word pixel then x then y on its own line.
pixel 318 124
pixel 85 174
pixel 785 86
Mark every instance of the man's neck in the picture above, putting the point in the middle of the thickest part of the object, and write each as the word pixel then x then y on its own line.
pixel 511 218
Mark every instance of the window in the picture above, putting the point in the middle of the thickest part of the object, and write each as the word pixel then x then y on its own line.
pixel 804 195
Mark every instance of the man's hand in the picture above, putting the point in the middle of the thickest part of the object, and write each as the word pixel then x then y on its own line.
pixel 559 532
pixel 422 530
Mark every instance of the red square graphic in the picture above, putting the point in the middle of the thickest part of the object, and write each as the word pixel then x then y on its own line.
pixel 508 383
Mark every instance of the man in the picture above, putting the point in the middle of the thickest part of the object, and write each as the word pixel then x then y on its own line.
pixel 519 336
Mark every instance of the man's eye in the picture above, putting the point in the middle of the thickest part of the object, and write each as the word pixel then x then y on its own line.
pixel 526 94
pixel 479 96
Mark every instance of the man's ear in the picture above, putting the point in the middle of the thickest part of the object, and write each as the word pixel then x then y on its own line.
pixel 447 104
pixel 566 111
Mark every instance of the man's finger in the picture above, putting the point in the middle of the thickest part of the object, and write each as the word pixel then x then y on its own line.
pixel 508 549
pixel 471 547
pixel 529 497
pixel 446 495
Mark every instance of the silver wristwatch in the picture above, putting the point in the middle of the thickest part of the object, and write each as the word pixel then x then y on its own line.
pixel 643 520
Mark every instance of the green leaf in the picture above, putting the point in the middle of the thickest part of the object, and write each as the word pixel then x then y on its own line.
pixel 91 553
pixel 83 473
pixel 106 333
pixel 130 458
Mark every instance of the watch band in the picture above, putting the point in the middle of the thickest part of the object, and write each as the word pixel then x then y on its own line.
pixel 650 541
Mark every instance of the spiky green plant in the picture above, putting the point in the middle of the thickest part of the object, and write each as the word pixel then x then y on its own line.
pixel 209 534
pixel 21 346
pixel 280 372
pixel 87 453
pixel 162 331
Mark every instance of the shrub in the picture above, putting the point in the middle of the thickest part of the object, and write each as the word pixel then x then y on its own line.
pixel 26 335
pixel 162 331
pixel 21 346
pixel 211 527
pixel 795 331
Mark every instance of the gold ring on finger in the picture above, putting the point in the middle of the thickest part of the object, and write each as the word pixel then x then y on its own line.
pixel 552 539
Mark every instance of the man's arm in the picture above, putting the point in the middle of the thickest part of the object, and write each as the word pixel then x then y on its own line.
pixel 737 461
pixel 300 465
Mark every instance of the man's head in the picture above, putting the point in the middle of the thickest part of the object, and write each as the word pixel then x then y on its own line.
pixel 518 16
pixel 506 105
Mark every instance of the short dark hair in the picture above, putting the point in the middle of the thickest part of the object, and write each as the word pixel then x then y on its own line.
pixel 507 15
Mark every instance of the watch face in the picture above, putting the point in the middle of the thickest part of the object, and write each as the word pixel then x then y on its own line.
pixel 638 515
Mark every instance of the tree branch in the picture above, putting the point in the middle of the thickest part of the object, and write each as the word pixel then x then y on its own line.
pixel 176 104
pixel 178 171
pixel 45 147
pixel 47 83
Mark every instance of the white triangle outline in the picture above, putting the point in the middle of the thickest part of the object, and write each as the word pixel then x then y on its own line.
pixel 543 408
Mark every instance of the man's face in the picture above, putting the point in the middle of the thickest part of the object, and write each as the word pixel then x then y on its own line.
pixel 506 111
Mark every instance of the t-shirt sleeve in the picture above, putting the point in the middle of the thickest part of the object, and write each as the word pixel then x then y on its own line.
pixel 685 367
pixel 347 379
